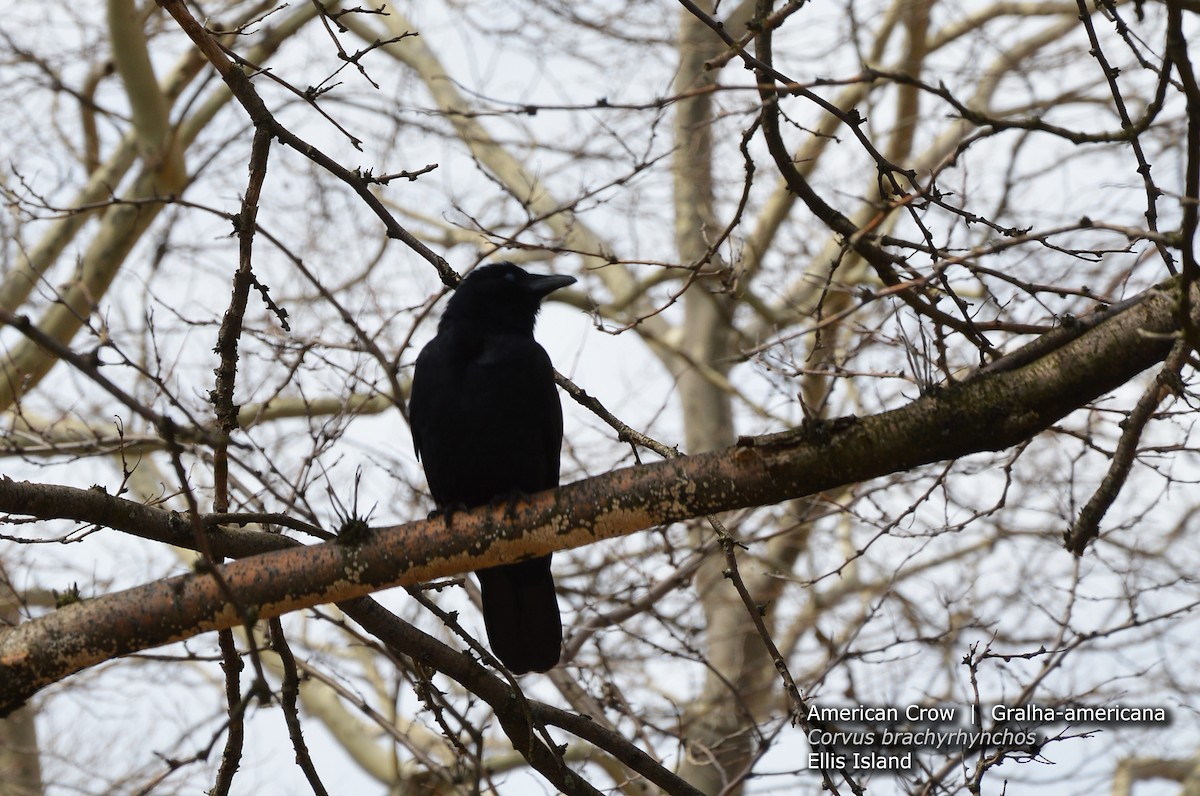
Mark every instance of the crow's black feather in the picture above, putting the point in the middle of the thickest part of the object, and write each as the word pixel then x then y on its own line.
pixel 487 424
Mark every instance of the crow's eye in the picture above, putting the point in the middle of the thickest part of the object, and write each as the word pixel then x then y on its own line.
pixel 510 277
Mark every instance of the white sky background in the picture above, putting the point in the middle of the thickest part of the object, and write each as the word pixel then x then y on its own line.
pixel 124 715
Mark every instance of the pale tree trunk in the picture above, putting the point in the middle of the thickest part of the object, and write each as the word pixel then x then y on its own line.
pixel 20 765
pixel 720 724
pixel 741 688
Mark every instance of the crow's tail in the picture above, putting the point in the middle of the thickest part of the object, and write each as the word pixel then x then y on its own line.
pixel 520 611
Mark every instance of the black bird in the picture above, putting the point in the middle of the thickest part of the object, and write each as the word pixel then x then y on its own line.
pixel 487 425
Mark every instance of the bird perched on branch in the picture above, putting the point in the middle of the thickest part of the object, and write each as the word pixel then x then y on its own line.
pixel 487 425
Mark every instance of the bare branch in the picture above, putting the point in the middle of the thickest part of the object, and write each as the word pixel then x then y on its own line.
pixel 991 412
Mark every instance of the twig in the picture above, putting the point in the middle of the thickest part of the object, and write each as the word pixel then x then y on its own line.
pixel 1177 52
pixel 1135 145
pixel 222 396
pixel 231 756
pixel 1087 525
pixel 241 87
pixel 89 366
pixel 289 693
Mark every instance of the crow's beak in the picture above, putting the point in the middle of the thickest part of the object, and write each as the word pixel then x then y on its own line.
pixel 542 285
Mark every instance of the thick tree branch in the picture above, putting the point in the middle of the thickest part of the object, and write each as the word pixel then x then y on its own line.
pixel 518 717
pixel 96 507
pixel 149 522
pixel 991 411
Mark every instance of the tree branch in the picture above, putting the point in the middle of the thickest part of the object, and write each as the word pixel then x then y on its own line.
pixel 1087 525
pixel 990 411
pixel 243 90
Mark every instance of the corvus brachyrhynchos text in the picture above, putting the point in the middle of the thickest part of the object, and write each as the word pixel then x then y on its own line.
pixel 487 424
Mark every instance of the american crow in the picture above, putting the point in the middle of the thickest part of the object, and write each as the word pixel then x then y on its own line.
pixel 487 425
